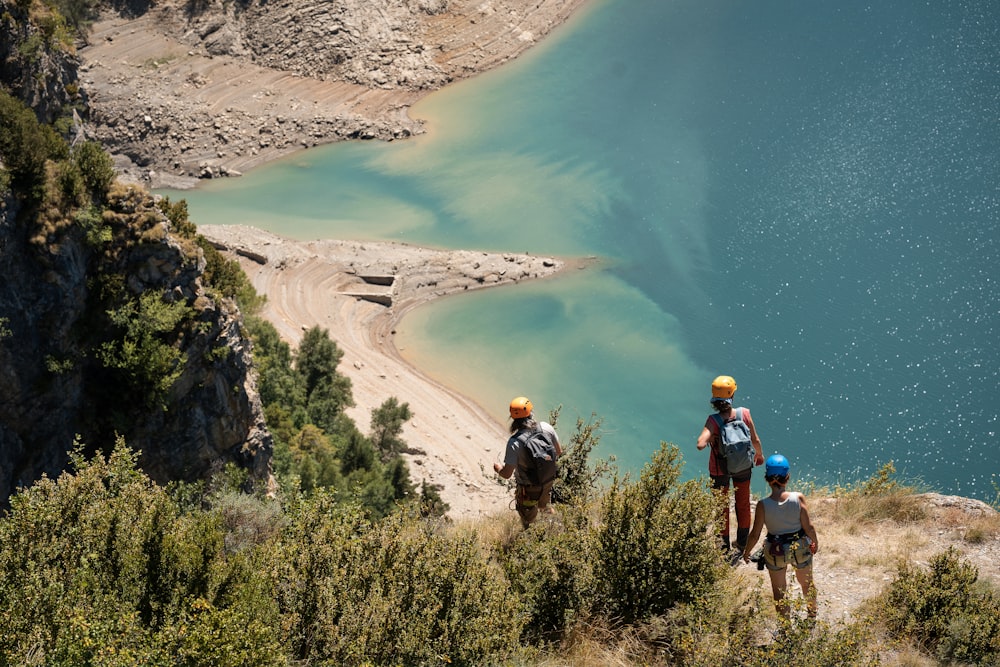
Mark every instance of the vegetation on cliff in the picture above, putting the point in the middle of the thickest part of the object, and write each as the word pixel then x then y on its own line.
pixel 113 326
pixel 103 567
pixel 136 315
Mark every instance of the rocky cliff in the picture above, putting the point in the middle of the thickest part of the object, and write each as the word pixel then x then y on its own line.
pixel 38 62
pixel 92 285
pixel 53 384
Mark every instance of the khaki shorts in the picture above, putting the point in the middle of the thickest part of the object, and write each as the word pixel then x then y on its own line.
pixel 795 553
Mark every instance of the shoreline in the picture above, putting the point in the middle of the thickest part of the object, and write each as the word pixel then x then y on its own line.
pixel 179 97
pixel 335 285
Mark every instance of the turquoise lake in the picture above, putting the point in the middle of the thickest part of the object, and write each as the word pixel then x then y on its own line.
pixel 803 195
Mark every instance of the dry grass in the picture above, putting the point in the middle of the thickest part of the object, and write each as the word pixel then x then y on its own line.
pixel 900 506
pixel 865 534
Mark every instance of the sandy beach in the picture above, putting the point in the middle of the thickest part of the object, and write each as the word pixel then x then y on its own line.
pixel 340 286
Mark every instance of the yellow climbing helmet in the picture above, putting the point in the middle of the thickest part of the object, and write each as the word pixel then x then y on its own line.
pixel 520 408
pixel 723 386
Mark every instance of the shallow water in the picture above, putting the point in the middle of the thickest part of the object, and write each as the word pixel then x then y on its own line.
pixel 801 195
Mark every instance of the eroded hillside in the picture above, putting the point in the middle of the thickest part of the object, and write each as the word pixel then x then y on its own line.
pixel 183 91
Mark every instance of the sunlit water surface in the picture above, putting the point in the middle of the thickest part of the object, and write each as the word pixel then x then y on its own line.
pixel 802 195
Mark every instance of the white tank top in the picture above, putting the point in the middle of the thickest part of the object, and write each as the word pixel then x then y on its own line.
pixel 782 517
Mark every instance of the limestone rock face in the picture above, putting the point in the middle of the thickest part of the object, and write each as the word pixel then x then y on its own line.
pixel 53 384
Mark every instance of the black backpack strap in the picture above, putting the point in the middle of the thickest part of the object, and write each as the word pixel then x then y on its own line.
pixel 523 455
pixel 523 436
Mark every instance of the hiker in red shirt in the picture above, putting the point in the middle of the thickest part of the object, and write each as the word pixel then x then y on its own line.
pixel 735 450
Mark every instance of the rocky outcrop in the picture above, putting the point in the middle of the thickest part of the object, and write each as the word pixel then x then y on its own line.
pixel 38 62
pixel 53 384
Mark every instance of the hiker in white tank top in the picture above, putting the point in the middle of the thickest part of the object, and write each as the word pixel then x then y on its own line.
pixel 791 537
pixel 782 515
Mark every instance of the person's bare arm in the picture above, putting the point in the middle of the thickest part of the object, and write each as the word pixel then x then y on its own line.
pixel 704 439
pixel 755 439
pixel 758 526
pixel 503 471
pixel 807 525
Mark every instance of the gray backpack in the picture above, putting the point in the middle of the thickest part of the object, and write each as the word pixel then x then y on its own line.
pixel 536 457
pixel 734 443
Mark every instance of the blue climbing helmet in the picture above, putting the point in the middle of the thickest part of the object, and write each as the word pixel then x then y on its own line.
pixel 776 466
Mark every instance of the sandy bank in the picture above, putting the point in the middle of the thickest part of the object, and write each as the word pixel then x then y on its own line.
pixel 358 291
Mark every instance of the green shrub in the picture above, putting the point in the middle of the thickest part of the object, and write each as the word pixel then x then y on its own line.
pixel 91 222
pixel 945 610
pixel 387 426
pixel 651 548
pixel 548 566
pixel 397 592
pixel 226 276
pixel 247 521
pixel 803 642
pixel 79 14
pixel 580 478
pixel 100 567
pixel 25 147
pixel 96 169
pixel 143 352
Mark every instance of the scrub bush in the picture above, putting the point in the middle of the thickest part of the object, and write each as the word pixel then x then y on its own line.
pixel 634 555
pixel 143 354
pixel 548 566
pixel 100 567
pixel 945 609
pixel 651 550
pixel 25 147
pixel 581 479
pixel 396 592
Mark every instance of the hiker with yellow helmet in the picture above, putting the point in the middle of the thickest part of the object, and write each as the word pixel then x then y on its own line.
pixel 531 452
pixel 735 450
